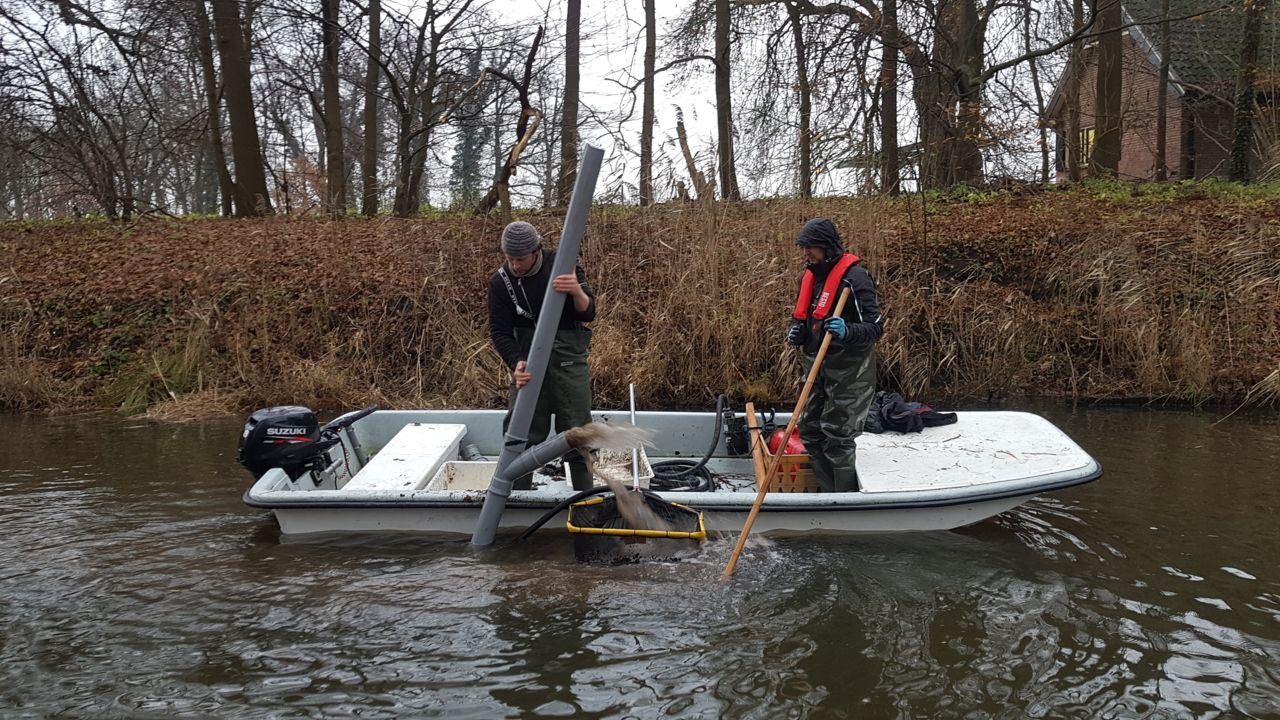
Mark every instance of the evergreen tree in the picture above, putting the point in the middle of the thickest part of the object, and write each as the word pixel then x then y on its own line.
pixel 469 176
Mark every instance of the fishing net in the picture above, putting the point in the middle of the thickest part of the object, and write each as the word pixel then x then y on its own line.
pixel 601 533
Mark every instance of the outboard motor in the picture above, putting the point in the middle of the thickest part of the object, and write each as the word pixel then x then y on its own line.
pixel 285 436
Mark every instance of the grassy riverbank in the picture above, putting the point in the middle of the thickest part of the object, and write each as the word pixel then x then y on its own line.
pixel 1110 292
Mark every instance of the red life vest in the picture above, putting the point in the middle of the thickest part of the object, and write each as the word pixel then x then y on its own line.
pixel 826 301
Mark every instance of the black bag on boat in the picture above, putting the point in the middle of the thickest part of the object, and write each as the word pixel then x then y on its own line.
pixel 891 413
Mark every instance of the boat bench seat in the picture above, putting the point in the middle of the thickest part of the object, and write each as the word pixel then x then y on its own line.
pixel 410 460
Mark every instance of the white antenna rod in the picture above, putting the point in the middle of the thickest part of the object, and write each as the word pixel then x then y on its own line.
pixel 635 453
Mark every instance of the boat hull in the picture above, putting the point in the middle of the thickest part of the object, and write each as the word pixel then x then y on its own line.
pixel 939 479
pixel 461 520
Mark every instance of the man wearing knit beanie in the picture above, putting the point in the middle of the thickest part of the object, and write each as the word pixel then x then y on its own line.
pixel 520 239
pixel 516 291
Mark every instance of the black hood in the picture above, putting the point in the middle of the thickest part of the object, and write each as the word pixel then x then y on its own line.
pixel 822 233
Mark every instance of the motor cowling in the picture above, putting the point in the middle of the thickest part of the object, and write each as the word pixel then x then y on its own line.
pixel 285 436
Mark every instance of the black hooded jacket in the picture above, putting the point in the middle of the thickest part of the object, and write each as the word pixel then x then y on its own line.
pixel 861 312
pixel 529 292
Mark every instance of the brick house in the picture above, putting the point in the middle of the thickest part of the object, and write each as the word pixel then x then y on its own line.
pixel 1203 67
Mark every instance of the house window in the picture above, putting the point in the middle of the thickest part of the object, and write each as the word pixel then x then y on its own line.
pixel 1085 141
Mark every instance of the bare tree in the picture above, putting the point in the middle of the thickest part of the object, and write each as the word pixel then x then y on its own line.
pixel 569 105
pixel 705 189
pixel 526 125
pixel 250 178
pixel 102 104
pixel 889 172
pixel 1105 159
pixel 724 105
pixel 1075 151
pixel 1162 96
pixel 805 93
pixel 335 200
pixel 418 93
pixel 369 163
pixel 212 93
pixel 1042 128
pixel 648 111
pixel 1246 91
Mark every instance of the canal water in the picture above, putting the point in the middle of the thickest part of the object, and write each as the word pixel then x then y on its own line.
pixel 135 584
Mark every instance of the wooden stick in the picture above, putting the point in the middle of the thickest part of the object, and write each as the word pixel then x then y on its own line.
pixel 776 460
pixel 757 443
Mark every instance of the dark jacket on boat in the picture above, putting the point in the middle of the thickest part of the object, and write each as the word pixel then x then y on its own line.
pixel 891 413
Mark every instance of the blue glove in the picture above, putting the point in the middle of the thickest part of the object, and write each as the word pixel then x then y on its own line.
pixel 837 327
pixel 795 333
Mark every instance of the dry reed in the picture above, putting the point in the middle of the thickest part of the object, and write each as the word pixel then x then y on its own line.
pixel 1005 297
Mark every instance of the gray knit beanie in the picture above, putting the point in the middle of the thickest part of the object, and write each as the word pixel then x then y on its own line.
pixel 519 239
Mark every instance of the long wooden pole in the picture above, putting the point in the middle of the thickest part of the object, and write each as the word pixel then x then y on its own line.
pixel 776 460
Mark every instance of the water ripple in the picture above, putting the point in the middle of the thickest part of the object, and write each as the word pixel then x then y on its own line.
pixel 141 588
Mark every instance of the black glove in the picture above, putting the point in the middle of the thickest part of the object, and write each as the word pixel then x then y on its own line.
pixel 795 333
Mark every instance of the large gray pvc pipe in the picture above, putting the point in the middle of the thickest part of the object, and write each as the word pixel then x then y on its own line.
pixel 535 457
pixel 517 437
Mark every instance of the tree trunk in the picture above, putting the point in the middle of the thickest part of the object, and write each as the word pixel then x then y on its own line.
pixel 414 137
pixel 369 163
pixel 548 170
pixel 569 106
pixel 218 154
pixel 647 116
pixel 405 95
pixel 724 105
pixel 1162 97
pixel 420 147
pixel 947 89
pixel 405 204
pixel 970 125
pixel 806 102
pixel 935 151
pixel 704 188
pixel 421 150
pixel 1246 92
pixel 1072 97
pixel 250 187
pixel 890 181
pixel 1107 129
pixel 336 181
pixel 1035 85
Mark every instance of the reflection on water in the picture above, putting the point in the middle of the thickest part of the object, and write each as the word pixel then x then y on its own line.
pixel 134 583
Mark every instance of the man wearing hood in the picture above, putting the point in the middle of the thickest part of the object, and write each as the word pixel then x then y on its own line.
pixel 516 291
pixel 846 382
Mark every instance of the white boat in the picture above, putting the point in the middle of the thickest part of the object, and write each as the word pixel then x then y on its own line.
pixel 405 472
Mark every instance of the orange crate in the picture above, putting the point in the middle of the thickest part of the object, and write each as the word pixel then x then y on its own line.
pixel 794 474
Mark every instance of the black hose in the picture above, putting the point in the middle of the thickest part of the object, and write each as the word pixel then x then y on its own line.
pixel 682 476
pixel 561 506
pixel 687 475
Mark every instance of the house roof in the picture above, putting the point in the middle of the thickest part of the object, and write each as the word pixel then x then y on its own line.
pixel 1205 38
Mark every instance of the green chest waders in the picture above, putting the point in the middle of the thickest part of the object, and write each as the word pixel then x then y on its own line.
pixel 833 417
pixel 566 393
